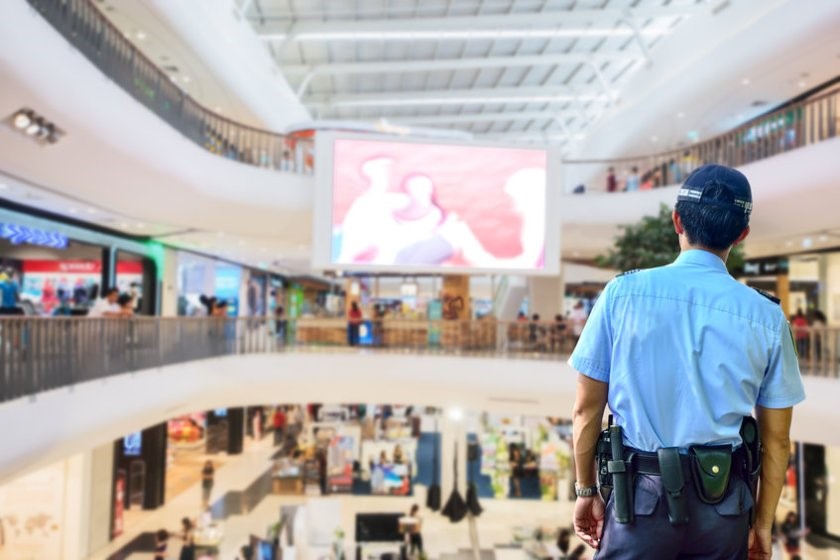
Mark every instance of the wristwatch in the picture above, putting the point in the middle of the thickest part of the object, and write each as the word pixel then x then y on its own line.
pixel 586 491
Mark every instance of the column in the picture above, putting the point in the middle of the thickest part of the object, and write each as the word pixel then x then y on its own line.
pixel 236 430
pixel 546 296
pixel 783 292
pixel 169 287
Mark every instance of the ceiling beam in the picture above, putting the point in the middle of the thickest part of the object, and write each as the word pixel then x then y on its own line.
pixel 475 118
pixel 519 24
pixel 457 97
pixel 388 67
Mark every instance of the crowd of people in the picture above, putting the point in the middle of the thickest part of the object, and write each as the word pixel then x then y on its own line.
pixel 809 330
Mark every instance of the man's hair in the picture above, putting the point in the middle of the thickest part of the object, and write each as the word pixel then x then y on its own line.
pixel 710 226
pixel 110 291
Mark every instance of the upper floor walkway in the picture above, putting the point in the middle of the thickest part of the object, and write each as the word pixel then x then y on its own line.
pixel 71 384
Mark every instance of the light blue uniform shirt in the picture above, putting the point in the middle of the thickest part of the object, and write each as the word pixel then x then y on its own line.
pixel 688 351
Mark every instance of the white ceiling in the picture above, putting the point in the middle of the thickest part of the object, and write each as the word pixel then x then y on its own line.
pixel 501 69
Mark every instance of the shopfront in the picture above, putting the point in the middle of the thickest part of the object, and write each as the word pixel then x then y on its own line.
pixel 51 269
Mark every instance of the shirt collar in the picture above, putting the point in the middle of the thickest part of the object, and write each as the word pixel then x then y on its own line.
pixel 702 258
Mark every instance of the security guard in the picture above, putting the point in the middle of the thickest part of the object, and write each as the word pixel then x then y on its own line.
pixel 683 354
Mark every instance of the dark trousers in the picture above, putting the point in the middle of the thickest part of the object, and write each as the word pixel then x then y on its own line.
pixel 416 541
pixel 717 531
pixel 353 334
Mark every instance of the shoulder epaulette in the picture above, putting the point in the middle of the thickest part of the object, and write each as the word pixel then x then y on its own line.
pixel 625 273
pixel 774 299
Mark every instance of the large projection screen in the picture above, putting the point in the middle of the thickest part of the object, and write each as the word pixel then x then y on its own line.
pixel 385 204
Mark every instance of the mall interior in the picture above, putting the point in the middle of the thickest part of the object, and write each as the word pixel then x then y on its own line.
pixel 316 325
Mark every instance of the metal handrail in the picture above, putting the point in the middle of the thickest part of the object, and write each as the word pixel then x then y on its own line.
pixel 793 126
pixel 87 29
pixel 42 354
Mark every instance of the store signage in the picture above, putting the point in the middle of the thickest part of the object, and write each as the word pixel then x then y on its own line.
pixel 766 267
pixel 23 234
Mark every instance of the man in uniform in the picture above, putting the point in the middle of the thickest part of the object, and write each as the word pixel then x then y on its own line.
pixel 682 354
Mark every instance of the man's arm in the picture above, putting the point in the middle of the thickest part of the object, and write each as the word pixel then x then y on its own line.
pixel 774 425
pixel 590 402
pixel 587 415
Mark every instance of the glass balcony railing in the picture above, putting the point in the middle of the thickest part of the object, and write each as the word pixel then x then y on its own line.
pixel 89 31
pixel 41 354
pixel 793 126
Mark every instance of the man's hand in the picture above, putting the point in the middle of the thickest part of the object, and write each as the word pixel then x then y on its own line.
pixel 760 544
pixel 589 520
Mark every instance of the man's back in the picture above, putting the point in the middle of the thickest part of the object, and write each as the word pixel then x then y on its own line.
pixel 687 352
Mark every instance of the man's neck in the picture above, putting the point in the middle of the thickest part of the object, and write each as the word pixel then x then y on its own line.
pixel 722 255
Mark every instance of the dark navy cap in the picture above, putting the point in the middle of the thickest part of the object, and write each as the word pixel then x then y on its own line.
pixel 694 188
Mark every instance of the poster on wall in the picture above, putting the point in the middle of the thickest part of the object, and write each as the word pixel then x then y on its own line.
pixel 340 457
pixel 52 284
pixel 189 431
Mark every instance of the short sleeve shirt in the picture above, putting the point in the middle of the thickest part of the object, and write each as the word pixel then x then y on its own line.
pixel 688 351
pixel 102 306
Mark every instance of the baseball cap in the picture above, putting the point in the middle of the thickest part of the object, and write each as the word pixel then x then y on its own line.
pixel 696 187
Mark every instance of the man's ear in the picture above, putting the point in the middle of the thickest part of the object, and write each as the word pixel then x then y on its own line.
pixel 741 237
pixel 678 225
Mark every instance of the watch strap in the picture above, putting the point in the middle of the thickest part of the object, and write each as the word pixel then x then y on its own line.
pixel 586 491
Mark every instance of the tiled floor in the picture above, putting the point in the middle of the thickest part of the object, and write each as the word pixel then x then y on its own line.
pixel 247 508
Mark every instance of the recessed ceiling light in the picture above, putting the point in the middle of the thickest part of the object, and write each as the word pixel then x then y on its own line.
pixel 186 79
pixel 90 210
pixel 22 119
pixel 140 225
pixel 73 210
pixel 745 82
pixel 218 109
pixel 654 139
pixel 801 84
pixel 33 128
pixel 680 115
pixel 823 238
pixel 124 225
pixel 141 36
pixel 807 242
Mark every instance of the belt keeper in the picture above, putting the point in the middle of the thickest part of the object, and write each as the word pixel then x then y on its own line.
pixel 616 466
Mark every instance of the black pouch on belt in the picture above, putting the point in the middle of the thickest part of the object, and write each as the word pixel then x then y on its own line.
pixel 711 466
pixel 671 471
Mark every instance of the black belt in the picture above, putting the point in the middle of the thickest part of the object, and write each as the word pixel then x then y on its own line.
pixel 648 463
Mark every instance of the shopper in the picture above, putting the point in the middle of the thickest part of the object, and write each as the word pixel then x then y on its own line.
pixel 161 538
pixel 207 475
pixel 414 528
pixel 612 183
pixel 279 423
pixel 578 553
pixel 558 333
pixel 280 324
pixel 188 536
pixel 354 322
pixel 632 183
pixel 517 470
pixel 800 332
pixel 107 306
pixel 578 320
pixel 791 533
pixel 818 325
pixel 126 305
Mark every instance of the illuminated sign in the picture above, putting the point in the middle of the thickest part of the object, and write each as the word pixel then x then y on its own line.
pixel 23 234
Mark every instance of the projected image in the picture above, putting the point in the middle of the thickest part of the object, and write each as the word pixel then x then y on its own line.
pixel 408 204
